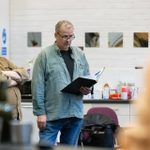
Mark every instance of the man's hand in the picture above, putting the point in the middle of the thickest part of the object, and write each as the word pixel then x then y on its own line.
pixel 85 90
pixel 41 121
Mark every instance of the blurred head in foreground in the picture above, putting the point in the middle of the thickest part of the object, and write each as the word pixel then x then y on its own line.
pixel 138 136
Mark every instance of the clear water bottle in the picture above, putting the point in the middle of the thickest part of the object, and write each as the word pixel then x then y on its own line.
pixel 106 91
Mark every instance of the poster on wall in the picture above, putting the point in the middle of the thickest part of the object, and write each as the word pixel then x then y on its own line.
pixel 4 42
pixel 115 39
pixel 140 39
pixel 34 39
pixel 92 39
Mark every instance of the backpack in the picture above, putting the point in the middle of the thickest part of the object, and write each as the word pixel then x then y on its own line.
pixel 98 130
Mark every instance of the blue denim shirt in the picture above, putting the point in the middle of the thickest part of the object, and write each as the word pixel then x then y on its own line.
pixel 50 76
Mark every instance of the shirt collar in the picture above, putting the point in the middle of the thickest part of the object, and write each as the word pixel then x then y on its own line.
pixel 58 49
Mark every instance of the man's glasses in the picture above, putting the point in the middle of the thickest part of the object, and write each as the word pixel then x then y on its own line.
pixel 67 37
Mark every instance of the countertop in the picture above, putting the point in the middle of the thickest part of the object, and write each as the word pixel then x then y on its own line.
pixel 27 98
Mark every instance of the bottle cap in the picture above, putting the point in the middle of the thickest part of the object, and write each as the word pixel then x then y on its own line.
pixel 124 89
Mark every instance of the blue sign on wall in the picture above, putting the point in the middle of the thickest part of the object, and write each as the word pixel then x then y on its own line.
pixel 4 36
pixel 4 40
pixel 4 51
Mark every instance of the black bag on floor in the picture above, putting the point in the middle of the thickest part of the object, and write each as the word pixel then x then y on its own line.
pixel 98 130
pixel 98 135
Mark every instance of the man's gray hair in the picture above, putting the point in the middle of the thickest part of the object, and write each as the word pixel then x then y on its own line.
pixel 60 23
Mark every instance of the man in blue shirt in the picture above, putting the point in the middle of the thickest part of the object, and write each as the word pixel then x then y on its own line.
pixel 56 67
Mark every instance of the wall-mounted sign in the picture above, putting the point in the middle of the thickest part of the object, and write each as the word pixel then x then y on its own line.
pixel 4 51
pixel 4 36
pixel 4 41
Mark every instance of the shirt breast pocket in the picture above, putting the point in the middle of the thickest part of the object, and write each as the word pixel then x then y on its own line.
pixel 53 72
pixel 81 68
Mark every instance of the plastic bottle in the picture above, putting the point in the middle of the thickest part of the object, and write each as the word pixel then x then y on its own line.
pixel 106 91
pixel 124 93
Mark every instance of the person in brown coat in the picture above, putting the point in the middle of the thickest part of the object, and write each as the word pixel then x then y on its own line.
pixel 14 76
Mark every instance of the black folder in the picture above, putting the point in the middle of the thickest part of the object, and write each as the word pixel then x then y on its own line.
pixel 86 81
pixel 75 85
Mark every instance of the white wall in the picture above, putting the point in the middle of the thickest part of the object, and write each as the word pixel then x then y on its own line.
pixel 101 16
pixel 4 25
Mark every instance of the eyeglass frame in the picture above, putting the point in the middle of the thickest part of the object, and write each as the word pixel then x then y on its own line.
pixel 66 37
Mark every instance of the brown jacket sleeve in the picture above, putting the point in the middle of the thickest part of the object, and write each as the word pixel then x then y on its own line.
pixel 21 71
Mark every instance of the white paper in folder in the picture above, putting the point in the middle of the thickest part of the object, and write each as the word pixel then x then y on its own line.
pixel 87 81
